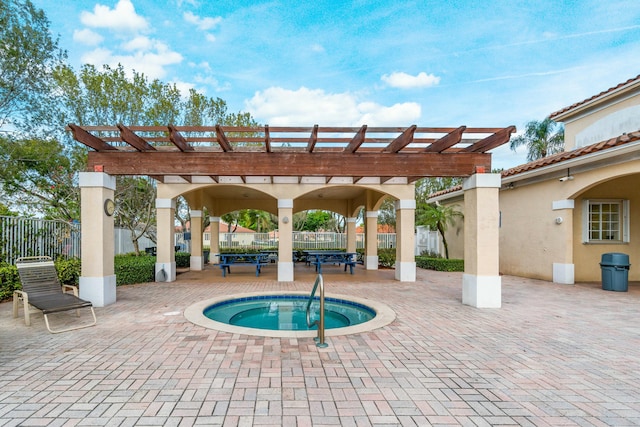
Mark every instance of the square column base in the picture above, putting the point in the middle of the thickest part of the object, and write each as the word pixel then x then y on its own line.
pixel 563 273
pixel 482 291
pixel 101 291
pixel 285 271
pixel 169 273
pixel 371 262
pixel 196 263
pixel 406 271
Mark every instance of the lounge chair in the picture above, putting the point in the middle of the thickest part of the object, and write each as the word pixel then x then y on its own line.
pixel 41 289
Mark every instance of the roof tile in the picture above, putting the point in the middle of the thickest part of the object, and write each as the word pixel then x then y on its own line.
pixel 577 104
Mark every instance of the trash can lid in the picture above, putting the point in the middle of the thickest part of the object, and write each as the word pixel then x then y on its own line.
pixel 615 258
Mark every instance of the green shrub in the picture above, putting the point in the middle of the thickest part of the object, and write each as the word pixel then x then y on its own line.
pixel 69 270
pixel 9 281
pixel 387 257
pixel 183 259
pixel 130 269
pixel 440 264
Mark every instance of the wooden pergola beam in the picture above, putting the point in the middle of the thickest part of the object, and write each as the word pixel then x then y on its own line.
pixel 178 140
pixel 497 139
pixel 90 140
pixel 357 140
pixel 134 140
pixel 289 163
pixel 267 139
pixel 222 139
pixel 404 139
pixel 312 139
pixel 447 141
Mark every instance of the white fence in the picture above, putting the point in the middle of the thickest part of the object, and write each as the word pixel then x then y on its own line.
pixel 301 240
pixel 427 241
pixel 31 237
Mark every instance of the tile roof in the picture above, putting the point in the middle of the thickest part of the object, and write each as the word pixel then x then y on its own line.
pixel 605 92
pixel 558 158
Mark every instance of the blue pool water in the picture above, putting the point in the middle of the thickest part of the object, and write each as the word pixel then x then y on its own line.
pixel 287 312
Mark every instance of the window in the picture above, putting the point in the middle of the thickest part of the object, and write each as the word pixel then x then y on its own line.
pixel 605 221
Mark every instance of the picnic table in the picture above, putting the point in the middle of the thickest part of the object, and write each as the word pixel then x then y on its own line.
pixel 227 260
pixel 318 258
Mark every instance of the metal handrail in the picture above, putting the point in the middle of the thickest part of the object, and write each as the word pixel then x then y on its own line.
pixel 320 338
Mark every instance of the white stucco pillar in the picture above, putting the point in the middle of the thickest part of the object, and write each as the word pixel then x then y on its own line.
pixel 97 278
pixel 196 261
pixel 285 241
pixel 214 227
pixel 481 282
pixel 166 253
pixel 405 240
pixel 563 267
pixel 371 240
pixel 351 234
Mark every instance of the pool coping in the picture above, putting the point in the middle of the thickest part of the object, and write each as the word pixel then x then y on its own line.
pixel 195 314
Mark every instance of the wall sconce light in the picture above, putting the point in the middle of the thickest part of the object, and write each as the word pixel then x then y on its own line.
pixel 285 220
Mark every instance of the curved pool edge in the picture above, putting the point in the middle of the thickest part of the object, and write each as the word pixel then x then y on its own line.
pixel 195 314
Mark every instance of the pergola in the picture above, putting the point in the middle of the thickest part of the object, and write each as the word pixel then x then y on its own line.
pixel 284 170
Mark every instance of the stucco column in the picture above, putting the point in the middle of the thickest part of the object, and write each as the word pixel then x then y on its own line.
pixel 371 240
pixel 97 278
pixel 214 227
pixel 563 267
pixel 405 240
pixel 166 253
pixel 196 261
pixel 481 282
pixel 285 241
pixel 351 234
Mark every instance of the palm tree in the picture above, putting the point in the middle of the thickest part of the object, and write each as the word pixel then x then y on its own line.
pixel 439 217
pixel 541 139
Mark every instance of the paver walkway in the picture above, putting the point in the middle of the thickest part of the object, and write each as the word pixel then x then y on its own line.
pixel 553 355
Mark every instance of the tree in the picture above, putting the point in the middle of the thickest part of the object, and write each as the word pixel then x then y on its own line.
pixel 112 96
pixel 541 139
pixel 39 175
pixel 28 54
pixel 135 209
pixel 439 217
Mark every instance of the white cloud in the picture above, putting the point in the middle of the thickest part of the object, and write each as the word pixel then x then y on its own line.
pixel 210 38
pixel 282 107
pixel 317 48
pixel 203 24
pixel 138 43
pixel 88 37
pixel 122 17
pixel 150 62
pixel 407 81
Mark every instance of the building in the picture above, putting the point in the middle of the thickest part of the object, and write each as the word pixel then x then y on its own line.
pixel 559 214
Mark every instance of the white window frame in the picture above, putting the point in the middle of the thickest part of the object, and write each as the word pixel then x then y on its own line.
pixel 623 222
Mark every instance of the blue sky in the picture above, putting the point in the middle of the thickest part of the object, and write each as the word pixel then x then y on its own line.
pixel 430 63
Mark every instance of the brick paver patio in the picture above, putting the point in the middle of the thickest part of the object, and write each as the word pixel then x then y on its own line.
pixel 553 355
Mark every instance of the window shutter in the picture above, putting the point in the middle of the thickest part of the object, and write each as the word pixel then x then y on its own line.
pixel 585 221
pixel 625 221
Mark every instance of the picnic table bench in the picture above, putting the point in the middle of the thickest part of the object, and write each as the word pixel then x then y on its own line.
pixel 318 258
pixel 227 260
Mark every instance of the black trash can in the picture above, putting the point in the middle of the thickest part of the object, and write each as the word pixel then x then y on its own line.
pixel 615 272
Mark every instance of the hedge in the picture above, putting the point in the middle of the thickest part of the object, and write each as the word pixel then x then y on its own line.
pixel 440 264
pixel 68 274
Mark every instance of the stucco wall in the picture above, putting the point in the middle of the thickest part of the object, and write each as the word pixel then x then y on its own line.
pixel 455 234
pixel 588 255
pixel 601 124
pixel 530 239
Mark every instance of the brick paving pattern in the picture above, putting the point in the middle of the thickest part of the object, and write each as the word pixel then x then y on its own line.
pixel 553 355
